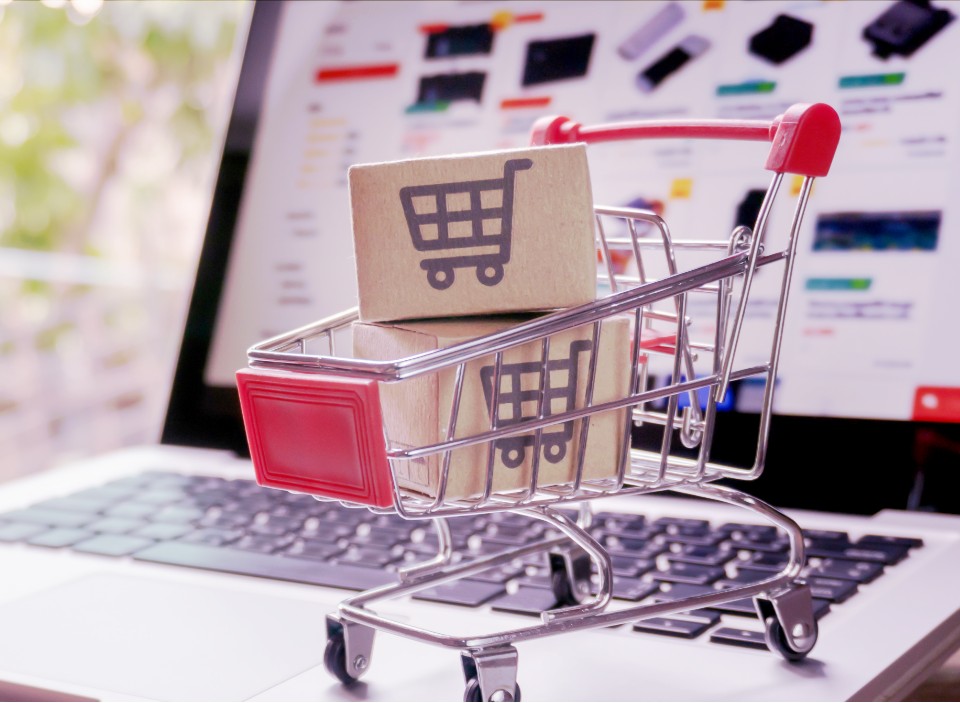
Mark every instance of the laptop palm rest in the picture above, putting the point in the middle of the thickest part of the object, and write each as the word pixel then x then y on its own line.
pixel 160 639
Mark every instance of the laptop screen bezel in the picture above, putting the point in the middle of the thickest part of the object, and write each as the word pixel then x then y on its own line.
pixel 200 414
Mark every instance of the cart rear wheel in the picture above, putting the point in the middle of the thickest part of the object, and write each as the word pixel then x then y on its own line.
pixel 335 659
pixel 554 451
pixel 472 691
pixel 489 274
pixel 777 642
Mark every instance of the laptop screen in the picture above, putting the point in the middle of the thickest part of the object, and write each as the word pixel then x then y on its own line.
pixel 327 85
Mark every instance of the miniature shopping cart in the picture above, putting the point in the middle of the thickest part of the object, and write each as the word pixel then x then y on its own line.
pixel 315 424
pixel 487 244
pixel 516 396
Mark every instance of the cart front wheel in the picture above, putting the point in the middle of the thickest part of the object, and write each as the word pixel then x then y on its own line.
pixel 335 659
pixel 490 274
pixel 472 691
pixel 777 642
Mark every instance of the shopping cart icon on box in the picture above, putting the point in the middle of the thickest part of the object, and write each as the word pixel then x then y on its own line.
pixel 510 402
pixel 472 220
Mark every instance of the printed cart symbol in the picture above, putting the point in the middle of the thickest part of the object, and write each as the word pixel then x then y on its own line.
pixel 519 390
pixel 460 217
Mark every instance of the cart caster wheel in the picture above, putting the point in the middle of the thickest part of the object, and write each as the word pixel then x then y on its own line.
pixel 472 691
pixel 560 585
pixel 777 642
pixel 569 576
pixel 335 660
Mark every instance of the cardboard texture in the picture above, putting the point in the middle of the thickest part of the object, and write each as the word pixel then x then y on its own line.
pixel 474 234
pixel 416 411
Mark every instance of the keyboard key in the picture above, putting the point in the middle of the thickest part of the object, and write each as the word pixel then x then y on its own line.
pixel 391 531
pixel 825 537
pixel 639 533
pixel 212 536
pixel 745 575
pixel 372 558
pixel 224 521
pixel 618 521
pixel 106 492
pixel 681 572
pixel 526 601
pixel 739 638
pixel 746 607
pixel 688 524
pixel 160 496
pixel 162 531
pixel 112 545
pixel 59 537
pixel 771 562
pixel 50 518
pixel 832 590
pixel 693 538
pixel 632 589
pixel 540 579
pixel 700 614
pixel 76 504
pixel 740 606
pixel 706 555
pixel 262 544
pixel 628 566
pixel 114 525
pixel 676 591
pixel 888 554
pixel 465 592
pixel 321 551
pixel 638 548
pixel 500 574
pixel 18 531
pixel 266 565
pixel 131 510
pixel 882 553
pixel 326 532
pixel 756 533
pixel 885 539
pixel 673 626
pixel 777 546
pixel 859 571
pixel 180 514
pixel 516 535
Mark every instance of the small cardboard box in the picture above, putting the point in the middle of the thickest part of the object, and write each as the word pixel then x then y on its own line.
pixel 416 411
pixel 474 234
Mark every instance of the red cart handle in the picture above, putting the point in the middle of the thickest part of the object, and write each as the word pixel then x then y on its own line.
pixel 804 138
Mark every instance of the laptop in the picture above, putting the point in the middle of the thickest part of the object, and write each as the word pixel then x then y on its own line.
pixel 164 572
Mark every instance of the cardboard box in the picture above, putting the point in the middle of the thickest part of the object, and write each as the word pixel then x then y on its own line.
pixel 416 411
pixel 474 234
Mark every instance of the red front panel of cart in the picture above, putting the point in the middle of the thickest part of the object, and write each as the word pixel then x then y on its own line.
pixel 316 434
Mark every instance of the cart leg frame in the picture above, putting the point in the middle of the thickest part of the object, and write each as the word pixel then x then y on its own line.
pixel 785 605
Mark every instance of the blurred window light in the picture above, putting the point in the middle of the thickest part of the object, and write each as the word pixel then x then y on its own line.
pixel 111 117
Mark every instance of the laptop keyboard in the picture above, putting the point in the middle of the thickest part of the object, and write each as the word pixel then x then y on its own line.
pixel 238 527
